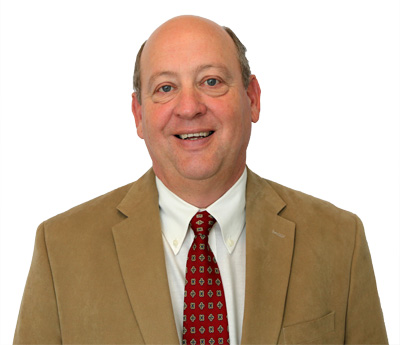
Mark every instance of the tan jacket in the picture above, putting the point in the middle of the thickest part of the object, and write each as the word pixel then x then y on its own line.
pixel 98 273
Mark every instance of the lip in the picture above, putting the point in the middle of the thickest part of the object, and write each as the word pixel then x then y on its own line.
pixel 193 131
pixel 194 144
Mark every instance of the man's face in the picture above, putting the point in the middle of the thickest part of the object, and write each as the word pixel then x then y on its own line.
pixel 195 115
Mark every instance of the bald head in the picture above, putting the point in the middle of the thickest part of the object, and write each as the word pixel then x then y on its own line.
pixel 182 30
pixel 178 27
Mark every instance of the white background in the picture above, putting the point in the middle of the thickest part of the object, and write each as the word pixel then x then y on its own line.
pixel 329 73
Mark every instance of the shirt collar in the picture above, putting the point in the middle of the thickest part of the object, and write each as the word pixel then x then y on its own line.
pixel 228 210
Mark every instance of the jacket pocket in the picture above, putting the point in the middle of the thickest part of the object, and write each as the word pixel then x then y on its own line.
pixel 307 332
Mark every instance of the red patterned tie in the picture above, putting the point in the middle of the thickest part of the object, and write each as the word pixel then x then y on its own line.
pixel 205 319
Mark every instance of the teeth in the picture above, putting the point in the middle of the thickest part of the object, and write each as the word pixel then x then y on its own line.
pixel 194 136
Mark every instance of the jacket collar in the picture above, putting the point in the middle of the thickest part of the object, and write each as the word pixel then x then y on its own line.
pixel 269 250
pixel 140 251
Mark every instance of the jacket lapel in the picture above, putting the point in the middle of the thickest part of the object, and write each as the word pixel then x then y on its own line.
pixel 142 262
pixel 269 250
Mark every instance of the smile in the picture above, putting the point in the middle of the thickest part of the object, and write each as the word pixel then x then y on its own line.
pixel 194 136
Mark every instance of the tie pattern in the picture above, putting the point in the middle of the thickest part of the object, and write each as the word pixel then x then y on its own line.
pixel 205 319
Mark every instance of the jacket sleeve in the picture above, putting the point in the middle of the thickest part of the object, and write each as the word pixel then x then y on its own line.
pixel 364 319
pixel 38 321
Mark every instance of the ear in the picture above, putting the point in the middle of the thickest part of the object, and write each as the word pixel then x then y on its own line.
pixel 137 113
pixel 254 94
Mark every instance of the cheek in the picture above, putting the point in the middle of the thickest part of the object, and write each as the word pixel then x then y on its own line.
pixel 154 120
pixel 235 119
pixel 232 115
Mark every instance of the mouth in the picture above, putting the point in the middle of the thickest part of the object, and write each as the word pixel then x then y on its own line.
pixel 194 136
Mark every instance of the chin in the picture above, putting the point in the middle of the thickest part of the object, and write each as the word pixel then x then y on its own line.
pixel 197 172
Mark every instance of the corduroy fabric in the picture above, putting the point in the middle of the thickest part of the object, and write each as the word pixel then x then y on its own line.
pixel 98 273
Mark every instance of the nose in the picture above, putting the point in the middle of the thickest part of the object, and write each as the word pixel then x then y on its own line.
pixel 189 104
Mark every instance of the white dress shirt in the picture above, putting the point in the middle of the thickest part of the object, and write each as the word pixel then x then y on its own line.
pixel 227 240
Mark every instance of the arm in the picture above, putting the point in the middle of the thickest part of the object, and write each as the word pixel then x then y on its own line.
pixel 38 321
pixel 364 319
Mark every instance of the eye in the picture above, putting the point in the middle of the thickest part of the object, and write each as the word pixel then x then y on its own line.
pixel 165 88
pixel 212 82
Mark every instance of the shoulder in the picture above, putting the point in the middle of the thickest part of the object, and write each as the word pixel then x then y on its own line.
pixel 100 205
pixel 90 219
pixel 110 203
pixel 307 211
pixel 297 201
pixel 302 205
pixel 321 228
pixel 102 212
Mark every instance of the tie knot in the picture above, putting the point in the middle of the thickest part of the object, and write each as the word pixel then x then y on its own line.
pixel 202 222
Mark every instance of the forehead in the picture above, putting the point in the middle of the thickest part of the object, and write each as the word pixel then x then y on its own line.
pixel 183 48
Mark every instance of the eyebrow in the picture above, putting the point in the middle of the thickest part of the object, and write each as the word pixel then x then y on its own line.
pixel 160 74
pixel 199 69
pixel 223 68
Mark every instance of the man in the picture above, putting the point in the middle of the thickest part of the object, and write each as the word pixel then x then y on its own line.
pixel 279 266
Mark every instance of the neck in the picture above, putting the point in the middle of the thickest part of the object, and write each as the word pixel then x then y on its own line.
pixel 201 193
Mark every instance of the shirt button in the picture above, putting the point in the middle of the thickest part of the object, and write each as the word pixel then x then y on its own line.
pixel 175 243
pixel 231 242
